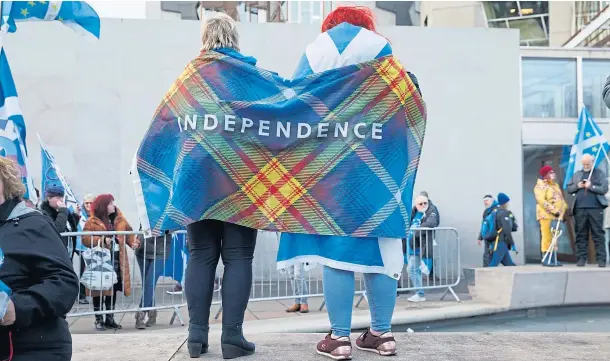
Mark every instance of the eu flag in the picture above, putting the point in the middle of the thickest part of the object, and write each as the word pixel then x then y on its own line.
pixel 77 15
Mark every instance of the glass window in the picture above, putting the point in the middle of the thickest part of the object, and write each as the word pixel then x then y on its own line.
pixel 549 88
pixel 293 11
pixel 594 76
pixel 328 7
pixel 500 24
pixel 533 7
pixel 529 29
pixel 306 12
pixel 316 11
pixel 500 9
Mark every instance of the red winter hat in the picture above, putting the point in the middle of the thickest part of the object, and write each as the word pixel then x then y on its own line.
pixel 544 171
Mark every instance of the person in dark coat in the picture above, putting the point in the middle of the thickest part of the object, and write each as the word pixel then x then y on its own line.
pixel 589 187
pixel 506 225
pixel 64 220
pixel 490 204
pixel 39 273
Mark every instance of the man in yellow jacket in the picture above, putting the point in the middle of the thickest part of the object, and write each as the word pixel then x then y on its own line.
pixel 550 206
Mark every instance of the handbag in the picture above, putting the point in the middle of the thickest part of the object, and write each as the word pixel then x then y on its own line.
pixel 99 274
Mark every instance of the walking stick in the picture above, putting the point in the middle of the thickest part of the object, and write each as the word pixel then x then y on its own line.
pixel 552 251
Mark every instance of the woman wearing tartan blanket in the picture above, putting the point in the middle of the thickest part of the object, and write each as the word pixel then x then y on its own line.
pixel 351 30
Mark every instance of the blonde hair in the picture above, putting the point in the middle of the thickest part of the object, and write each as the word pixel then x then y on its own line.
pixel 89 197
pixel 219 31
pixel 11 179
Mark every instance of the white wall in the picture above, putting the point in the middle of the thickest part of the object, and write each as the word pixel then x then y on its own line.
pixel 92 101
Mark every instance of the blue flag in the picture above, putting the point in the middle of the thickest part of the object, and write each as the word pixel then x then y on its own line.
pixel 589 140
pixel 77 15
pixel 12 126
pixel 51 174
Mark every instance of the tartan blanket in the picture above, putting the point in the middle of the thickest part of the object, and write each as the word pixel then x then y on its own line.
pixel 329 153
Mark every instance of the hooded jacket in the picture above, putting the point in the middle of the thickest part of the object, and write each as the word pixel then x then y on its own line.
pixel 44 286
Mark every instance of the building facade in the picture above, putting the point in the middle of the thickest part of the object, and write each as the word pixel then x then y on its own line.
pixel 541 23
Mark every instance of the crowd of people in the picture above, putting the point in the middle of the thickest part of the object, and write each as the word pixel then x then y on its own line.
pixel 45 286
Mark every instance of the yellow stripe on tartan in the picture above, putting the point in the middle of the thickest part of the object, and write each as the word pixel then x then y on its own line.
pixel 286 190
pixel 394 74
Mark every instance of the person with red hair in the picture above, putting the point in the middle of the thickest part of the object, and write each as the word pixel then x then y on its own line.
pixel 106 217
pixel 349 37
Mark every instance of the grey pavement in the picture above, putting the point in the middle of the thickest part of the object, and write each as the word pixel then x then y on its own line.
pixel 273 313
pixel 415 346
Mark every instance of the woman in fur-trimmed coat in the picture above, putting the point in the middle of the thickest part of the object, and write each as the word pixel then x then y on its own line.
pixel 105 216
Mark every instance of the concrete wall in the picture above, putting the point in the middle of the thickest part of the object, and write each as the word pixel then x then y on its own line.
pixel 459 14
pixel 91 101
pixel 561 21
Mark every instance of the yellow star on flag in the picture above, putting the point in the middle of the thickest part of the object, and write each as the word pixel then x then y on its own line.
pixel 594 149
pixel 32 3
pixel 54 7
pixel 587 134
pixel 60 19
pixel 25 12
pixel 42 2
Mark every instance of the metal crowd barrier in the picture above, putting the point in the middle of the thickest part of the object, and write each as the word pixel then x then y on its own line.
pixel 439 248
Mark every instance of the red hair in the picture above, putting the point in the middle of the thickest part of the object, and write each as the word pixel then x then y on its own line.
pixel 356 15
pixel 99 208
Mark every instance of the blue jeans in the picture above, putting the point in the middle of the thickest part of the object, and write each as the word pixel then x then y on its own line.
pixel 300 285
pixel 414 270
pixel 150 270
pixel 501 255
pixel 339 288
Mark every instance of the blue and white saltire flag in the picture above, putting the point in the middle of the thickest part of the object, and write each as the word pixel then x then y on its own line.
pixel 52 174
pixel 77 15
pixel 589 140
pixel 12 126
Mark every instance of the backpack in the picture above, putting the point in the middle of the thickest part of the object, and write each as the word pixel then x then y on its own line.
pixel 489 228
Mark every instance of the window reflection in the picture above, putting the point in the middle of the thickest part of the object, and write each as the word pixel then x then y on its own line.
pixel 594 75
pixel 549 88
pixel 530 17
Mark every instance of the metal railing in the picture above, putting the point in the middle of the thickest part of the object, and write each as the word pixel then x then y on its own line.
pixel 436 252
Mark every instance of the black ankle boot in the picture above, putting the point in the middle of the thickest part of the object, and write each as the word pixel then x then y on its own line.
pixel 197 342
pixel 99 323
pixel 110 323
pixel 234 344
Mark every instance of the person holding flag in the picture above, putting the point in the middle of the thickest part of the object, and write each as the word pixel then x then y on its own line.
pixel 589 185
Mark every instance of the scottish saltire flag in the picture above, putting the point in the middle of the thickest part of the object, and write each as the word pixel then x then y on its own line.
pixel 589 140
pixel 77 15
pixel 12 126
pixel 344 45
pixel 51 174
pixel 329 153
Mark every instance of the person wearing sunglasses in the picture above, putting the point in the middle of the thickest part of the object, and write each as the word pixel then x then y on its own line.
pixel 418 244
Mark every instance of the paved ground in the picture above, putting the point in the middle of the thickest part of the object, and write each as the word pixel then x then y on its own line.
pixel 267 310
pixel 413 346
